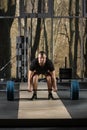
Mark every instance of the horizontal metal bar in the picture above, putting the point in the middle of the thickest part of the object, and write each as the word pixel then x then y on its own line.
pixel 68 17
pixel 5 82
pixel 39 16
pixel 43 89
pixel 9 17
pixel 61 89
pixel 3 90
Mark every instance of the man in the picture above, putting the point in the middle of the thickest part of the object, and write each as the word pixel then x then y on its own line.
pixel 41 65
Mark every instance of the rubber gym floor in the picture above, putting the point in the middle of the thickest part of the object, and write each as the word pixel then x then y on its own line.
pixel 43 112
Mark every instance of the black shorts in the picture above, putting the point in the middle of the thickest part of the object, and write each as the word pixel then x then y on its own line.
pixel 45 73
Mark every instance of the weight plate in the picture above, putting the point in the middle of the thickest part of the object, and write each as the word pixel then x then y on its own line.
pixel 10 90
pixel 74 91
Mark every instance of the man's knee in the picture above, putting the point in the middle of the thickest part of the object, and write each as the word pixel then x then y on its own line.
pixel 35 78
pixel 48 78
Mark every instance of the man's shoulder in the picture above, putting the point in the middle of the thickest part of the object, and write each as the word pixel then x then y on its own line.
pixel 34 60
pixel 49 60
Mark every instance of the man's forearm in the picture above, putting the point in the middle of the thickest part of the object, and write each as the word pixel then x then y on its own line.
pixel 54 81
pixel 29 79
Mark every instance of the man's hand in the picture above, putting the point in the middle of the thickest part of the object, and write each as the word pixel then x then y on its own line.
pixel 30 89
pixel 55 89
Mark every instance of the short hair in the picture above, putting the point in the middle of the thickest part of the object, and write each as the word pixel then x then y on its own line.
pixel 42 53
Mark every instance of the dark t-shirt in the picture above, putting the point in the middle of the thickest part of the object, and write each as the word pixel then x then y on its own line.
pixel 41 69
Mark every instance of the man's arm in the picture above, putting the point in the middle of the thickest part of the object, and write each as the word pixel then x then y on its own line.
pixel 53 80
pixel 30 80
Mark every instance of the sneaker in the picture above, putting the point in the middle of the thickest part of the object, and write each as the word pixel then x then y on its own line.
pixel 34 97
pixel 50 96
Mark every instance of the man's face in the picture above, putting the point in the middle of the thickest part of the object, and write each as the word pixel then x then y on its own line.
pixel 41 59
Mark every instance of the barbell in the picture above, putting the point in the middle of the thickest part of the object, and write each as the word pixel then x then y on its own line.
pixel 10 90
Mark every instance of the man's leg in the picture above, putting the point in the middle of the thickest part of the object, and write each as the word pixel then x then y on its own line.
pixel 49 84
pixel 35 84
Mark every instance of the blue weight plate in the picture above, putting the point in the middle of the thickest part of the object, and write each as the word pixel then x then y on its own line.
pixel 10 90
pixel 74 91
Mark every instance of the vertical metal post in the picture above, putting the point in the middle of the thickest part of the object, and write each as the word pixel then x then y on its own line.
pixel 51 44
pixel 31 37
pixel 51 14
pixel 25 47
pixel 21 4
pixel 50 7
pixel 19 26
pixel 82 50
pixel 82 47
pixel 18 49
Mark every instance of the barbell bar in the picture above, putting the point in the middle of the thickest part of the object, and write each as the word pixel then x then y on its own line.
pixel 10 90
